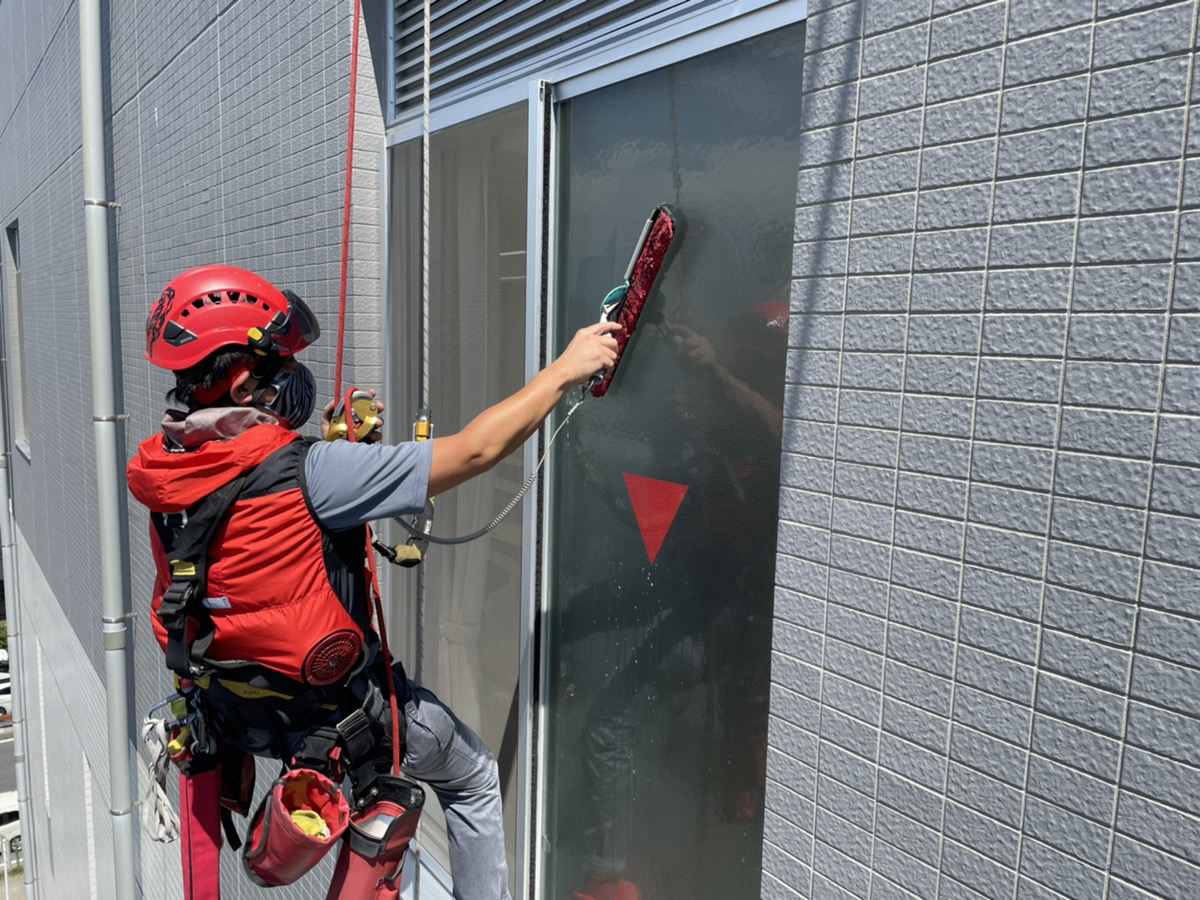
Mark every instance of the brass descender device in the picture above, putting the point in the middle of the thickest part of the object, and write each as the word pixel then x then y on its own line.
pixel 364 411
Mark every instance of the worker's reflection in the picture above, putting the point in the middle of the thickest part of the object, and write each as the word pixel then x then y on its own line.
pixel 692 631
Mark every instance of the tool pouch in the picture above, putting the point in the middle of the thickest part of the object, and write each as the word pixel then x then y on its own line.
pixel 297 823
pixel 372 855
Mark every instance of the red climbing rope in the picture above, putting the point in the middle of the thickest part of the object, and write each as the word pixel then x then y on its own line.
pixel 393 704
pixel 389 685
pixel 341 329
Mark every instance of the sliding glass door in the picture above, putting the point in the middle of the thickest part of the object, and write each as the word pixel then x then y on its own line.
pixel 663 495
pixel 611 642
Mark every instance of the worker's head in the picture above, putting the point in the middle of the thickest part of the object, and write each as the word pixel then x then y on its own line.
pixel 230 337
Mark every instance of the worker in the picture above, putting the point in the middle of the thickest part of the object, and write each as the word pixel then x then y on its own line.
pixel 279 651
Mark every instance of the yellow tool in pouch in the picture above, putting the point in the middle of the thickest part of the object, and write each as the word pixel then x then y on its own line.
pixel 364 411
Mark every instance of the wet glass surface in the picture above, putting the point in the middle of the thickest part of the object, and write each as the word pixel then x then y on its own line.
pixel 664 493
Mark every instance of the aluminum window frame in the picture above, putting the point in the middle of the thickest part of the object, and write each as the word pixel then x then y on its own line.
pixel 673 39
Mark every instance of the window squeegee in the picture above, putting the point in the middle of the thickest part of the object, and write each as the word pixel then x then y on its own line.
pixel 625 302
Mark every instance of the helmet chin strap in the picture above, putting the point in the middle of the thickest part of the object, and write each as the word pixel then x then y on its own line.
pixel 264 373
pixel 295 393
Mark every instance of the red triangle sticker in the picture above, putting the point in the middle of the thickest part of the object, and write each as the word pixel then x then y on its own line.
pixel 655 504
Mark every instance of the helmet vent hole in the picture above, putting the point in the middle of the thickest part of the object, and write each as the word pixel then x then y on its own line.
pixel 234 296
pixel 215 297
pixel 184 312
pixel 198 303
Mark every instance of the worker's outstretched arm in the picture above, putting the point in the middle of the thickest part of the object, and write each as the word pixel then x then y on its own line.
pixel 499 430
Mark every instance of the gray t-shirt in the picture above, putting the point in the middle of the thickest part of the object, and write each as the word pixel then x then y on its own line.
pixel 352 484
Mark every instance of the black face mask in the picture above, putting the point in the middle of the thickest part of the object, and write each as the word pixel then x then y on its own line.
pixel 295 395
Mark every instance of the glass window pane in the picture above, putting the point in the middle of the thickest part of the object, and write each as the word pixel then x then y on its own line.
pixel 664 493
pixel 14 335
pixel 467 642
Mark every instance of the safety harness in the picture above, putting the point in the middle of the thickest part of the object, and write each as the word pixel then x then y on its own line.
pixel 186 538
pixel 219 706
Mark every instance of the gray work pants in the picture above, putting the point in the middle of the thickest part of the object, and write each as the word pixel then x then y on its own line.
pixel 448 756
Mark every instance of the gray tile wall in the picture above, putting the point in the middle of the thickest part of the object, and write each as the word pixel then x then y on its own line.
pixel 986 662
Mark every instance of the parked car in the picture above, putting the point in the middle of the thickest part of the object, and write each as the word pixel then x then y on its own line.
pixel 10 830
pixel 8 807
pixel 10 844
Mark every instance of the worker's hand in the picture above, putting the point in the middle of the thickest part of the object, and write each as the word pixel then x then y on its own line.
pixel 592 350
pixel 376 434
pixel 697 348
pixel 327 417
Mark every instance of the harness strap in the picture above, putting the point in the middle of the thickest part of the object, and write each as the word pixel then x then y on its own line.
pixel 231 834
pixel 354 743
pixel 184 598
pixel 200 813
pixel 359 740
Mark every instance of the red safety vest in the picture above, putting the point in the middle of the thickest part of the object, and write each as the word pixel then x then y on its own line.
pixel 272 569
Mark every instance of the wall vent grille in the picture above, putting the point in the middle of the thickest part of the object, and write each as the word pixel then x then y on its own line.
pixel 475 44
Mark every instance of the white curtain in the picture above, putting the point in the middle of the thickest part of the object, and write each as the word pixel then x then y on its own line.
pixel 477 358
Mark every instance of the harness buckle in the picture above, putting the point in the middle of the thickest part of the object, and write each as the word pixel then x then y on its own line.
pixel 319 751
pixel 355 732
pixel 357 737
pixel 173 609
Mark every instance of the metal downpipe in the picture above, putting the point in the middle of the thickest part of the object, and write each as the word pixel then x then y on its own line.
pixel 114 538
pixel 16 643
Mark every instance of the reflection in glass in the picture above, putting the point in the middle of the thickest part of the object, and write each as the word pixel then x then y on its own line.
pixel 467 650
pixel 659 657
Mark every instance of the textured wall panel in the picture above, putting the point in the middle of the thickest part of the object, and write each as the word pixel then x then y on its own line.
pixel 995 587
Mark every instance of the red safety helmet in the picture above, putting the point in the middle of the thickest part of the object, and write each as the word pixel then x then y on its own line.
pixel 210 307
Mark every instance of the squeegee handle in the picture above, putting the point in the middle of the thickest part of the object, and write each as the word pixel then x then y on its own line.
pixel 637 248
pixel 610 310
